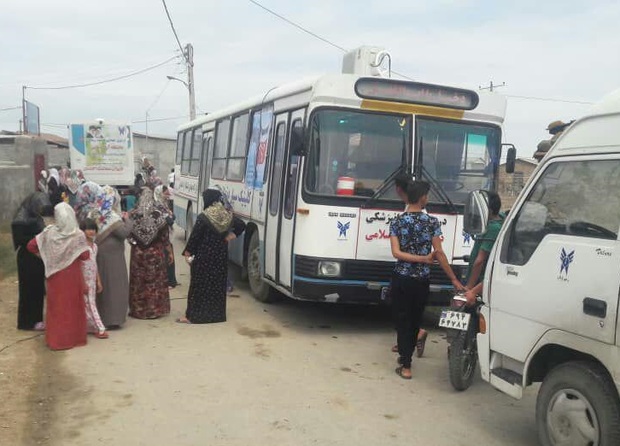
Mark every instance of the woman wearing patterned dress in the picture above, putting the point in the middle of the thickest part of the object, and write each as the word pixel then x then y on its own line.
pixel 208 246
pixel 148 284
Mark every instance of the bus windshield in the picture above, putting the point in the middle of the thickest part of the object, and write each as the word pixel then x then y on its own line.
pixel 361 149
pixel 457 158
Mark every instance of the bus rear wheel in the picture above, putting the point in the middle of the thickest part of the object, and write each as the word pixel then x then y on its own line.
pixel 261 290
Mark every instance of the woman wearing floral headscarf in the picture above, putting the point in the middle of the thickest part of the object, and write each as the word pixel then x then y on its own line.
pixel 86 201
pixel 72 184
pixel 61 246
pixel 207 248
pixel 113 302
pixel 148 283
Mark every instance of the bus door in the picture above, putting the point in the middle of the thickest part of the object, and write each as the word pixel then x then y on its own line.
pixel 281 213
pixel 205 165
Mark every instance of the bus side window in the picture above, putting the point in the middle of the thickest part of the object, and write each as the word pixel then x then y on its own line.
pixel 238 145
pixel 179 156
pixel 218 168
pixel 194 161
pixel 280 149
pixel 187 152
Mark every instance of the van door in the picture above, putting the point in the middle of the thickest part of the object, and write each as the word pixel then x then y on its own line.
pixel 559 260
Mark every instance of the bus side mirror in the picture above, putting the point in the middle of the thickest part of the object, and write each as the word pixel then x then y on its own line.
pixel 297 141
pixel 476 215
pixel 511 157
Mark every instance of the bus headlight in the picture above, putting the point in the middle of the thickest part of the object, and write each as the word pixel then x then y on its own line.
pixel 329 268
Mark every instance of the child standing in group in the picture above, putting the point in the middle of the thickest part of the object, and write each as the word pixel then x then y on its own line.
pixel 93 281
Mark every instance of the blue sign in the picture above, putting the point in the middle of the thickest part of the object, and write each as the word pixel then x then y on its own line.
pixel 343 228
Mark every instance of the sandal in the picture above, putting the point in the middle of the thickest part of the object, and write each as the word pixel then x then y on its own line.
pixel 102 335
pixel 182 320
pixel 420 344
pixel 395 349
pixel 399 372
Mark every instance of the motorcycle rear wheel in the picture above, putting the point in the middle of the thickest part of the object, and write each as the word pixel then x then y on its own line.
pixel 462 359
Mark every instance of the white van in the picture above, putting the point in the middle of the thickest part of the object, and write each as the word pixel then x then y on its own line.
pixel 551 297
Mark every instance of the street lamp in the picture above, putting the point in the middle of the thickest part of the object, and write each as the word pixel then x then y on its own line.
pixel 192 99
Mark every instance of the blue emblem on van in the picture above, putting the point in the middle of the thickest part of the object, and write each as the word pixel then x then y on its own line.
pixel 466 238
pixel 566 259
pixel 343 228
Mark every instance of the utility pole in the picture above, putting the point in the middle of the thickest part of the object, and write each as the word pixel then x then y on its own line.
pixel 189 58
pixel 492 86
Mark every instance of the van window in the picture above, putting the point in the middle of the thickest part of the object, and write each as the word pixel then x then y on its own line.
pixel 574 198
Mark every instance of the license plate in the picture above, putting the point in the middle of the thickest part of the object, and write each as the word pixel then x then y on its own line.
pixel 456 320
pixel 385 293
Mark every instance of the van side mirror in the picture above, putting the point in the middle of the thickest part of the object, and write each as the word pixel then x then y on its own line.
pixel 476 215
pixel 511 157
pixel 297 141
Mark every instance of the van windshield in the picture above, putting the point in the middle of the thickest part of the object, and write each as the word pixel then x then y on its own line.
pixel 362 148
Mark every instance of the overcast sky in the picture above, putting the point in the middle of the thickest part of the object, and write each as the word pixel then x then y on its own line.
pixel 568 50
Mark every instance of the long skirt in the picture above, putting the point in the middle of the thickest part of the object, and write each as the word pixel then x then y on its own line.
pixel 31 276
pixel 65 320
pixel 149 297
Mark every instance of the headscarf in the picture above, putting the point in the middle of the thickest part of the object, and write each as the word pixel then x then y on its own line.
pixel 109 215
pixel 64 175
pixel 53 174
pixel 219 217
pixel 86 204
pixel 153 180
pixel 62 243
pixel 148 217
pixel 158 195
pixel 28 221
pixel 43 181
pixel 80 176
pixel 73 182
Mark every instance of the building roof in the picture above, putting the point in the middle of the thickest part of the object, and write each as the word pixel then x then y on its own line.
pixel 49 138
pixel 524 160
pixel 162 138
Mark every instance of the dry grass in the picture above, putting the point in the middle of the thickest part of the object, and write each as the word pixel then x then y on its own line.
pixel 8 267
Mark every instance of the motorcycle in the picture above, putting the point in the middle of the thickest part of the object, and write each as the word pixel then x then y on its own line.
pixel 461 322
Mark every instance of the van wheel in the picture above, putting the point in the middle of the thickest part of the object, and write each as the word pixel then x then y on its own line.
pixel 578 404
pixel 189 222
pixel 260 289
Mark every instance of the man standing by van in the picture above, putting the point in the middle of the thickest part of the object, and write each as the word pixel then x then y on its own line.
pixel 482 248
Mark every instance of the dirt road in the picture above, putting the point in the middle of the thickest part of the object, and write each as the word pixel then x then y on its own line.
pixel 284 374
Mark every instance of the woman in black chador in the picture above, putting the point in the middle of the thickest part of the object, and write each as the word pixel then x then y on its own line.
pixel 207 248
pixel 27 223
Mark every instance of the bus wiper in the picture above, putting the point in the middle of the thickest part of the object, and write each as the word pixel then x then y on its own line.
pixel 438 188
pixel 383 186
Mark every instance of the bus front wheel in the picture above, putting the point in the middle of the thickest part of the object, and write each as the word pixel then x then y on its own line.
pixel 261 290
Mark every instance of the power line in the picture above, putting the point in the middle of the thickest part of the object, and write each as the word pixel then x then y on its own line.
pixel 174 31
pixel 311 33
pixel 173 118
pixel 10 108
pixel 118 78
pixel 299 27
pixel 534 98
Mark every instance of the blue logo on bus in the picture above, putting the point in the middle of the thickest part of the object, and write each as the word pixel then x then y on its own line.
pixel 343 228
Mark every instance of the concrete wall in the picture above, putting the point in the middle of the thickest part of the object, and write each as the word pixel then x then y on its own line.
pixel 161 153
pixel 17 173
pixel 58 156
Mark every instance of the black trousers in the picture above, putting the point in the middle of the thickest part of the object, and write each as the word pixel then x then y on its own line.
pixel 409 298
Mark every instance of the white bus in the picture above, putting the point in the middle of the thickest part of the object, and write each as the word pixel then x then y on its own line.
pixel 310 167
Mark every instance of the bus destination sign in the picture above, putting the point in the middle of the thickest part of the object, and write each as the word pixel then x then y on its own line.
pixel 416 93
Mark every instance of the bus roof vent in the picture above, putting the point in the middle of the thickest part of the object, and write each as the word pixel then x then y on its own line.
pixel 367 61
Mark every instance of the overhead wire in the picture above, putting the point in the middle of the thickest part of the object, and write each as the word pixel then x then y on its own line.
pixel 174 31
pixel 105 81
pixel 535 98
pixel 9 108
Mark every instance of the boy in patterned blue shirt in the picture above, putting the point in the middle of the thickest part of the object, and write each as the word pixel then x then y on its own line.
pixel 415 238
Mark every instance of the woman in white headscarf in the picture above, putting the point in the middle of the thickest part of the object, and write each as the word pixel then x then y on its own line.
pixel 62 246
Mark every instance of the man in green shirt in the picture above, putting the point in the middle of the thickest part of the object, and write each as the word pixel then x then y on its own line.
pixel 482 248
